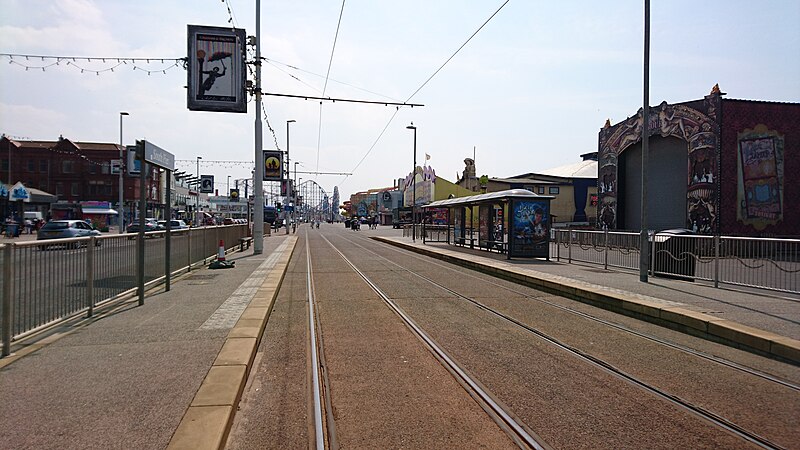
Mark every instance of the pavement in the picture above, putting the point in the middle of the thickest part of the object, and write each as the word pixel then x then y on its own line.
pixel 170 373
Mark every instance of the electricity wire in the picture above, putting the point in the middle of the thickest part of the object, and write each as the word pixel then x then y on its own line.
pixel 327 75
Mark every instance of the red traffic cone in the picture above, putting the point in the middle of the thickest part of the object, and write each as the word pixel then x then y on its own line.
pixel 221 254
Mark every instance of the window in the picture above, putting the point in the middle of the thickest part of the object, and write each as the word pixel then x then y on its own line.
pixel 105 169
pixel 76 189
pixel 4 165
pixel 553 190
pixel 31 165
pixel 59 189
pixel 92 168
pixel 540 190
pixel 67 166
pixel 43 165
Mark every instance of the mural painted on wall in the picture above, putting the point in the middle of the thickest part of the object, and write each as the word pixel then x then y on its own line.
pixel 425 189
pixel 760 180
pixel 699 129
pixel 530 228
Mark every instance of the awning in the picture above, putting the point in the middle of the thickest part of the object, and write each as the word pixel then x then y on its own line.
pixel 498 197
pixel 99 211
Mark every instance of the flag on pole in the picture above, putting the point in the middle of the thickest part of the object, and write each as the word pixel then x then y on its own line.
pixel 427 156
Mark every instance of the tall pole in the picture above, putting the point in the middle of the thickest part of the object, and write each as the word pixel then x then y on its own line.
pixel 414 188
pixel 644 253
pixel 258 179
pixel 197 200
pixel 294 191
pixel 291 194
pixel 121 212
pixel 229 187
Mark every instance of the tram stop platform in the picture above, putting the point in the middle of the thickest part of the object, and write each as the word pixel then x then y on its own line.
pixel 734 316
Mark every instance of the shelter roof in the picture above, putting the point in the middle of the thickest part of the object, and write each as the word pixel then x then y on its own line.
pixel 487 198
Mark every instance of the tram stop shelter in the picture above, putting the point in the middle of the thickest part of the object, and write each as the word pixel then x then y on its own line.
pixel 515 222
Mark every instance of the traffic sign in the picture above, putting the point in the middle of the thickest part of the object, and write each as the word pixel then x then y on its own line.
pixel 234 196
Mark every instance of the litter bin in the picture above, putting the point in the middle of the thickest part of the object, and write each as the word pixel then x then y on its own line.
pixel 673 256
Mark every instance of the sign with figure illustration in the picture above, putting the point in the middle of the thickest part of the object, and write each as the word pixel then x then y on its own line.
pixel 530 228
pixel 216 69
pixel 273 165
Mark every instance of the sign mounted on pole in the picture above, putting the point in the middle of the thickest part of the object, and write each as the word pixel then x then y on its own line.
pixel 206 184
pixel 273 165
pixel 216 69
pixel 234 195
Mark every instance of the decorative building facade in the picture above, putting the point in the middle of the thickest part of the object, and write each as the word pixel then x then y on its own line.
pixel 714 166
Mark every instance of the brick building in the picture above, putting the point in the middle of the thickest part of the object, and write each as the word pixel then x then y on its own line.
pixel 76 172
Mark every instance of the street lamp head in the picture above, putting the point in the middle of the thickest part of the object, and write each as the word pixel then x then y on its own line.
pixel 123 113
pixel 291 121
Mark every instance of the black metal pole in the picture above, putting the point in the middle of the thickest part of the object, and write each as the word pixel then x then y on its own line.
pixel 644 245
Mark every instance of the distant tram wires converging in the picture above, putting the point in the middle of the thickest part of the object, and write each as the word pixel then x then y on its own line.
pixel 420 88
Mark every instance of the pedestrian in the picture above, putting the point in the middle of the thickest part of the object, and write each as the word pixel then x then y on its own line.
pixel 29 226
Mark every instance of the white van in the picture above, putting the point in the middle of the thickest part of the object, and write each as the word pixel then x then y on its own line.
pixel 32 215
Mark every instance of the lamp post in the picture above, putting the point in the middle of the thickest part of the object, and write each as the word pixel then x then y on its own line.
pixel 197 200
pixel 289 195
pixel 121 212
pixel 414 188
pixel 229 186
pixel 644 244
pixel 294 189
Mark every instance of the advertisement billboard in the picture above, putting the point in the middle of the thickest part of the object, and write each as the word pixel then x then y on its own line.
pixel 216 69
pixel 273 165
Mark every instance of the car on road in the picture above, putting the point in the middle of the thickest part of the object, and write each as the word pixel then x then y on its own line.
pixel 60 229
pixel 150 224
pixel 174 224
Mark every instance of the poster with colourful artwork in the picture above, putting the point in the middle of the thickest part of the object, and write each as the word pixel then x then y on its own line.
pixel 530 228
pixel 760 178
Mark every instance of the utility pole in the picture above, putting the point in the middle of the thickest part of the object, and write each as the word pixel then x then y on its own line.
pixel 644 244
pixel 258 181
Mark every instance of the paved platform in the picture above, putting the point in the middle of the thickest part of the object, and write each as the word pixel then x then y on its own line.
pixel 763 322
pixel 167 374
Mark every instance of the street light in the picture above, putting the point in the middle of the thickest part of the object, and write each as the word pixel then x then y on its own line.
pixel 121 212
pixel 197 200
pixel 288 175
pixel 414 189
pixel 229 186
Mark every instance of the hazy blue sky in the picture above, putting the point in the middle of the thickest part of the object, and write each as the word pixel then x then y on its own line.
pixel 530 91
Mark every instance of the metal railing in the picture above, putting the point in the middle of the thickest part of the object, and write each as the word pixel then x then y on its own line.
pixel 764 263
pixel 45 282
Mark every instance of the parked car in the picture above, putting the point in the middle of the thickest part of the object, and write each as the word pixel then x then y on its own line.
pixel 60 229
pixel 150 224
pixel 173 224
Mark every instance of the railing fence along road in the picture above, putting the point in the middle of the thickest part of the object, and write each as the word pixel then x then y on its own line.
pixel 46 282
pixel 764 263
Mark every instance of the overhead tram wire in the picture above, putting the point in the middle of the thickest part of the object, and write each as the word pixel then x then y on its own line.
pixel 422 86
pixel 327 75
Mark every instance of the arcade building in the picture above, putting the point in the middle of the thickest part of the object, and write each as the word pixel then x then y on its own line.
pixel 715 166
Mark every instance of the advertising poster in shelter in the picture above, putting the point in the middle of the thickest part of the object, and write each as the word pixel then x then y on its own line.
pixel 458 225
pixel 438 216
pixel 530 228
pixel 483 230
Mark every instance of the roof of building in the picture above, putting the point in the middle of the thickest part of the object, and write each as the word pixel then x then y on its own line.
pixel 485 198
pixel 580 169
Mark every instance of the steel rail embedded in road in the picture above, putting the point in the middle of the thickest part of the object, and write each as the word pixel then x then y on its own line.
pixel 702 413
pixel 319 436
pixel 658 340
pixel 517 431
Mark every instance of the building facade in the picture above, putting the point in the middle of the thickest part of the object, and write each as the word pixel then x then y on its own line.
pixel 77 172
pixel 715 165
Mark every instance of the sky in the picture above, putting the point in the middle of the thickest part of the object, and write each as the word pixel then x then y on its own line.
pixel 529 92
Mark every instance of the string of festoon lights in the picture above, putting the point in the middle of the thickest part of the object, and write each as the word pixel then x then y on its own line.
pixel 109 64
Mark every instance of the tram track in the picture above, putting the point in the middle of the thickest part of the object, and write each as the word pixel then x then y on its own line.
pixel 709 416
pixel 322 428
pixel 517 431
pixel 688 350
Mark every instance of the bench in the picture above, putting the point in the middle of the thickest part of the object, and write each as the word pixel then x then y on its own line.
pixel 495 245
pixel 245 241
